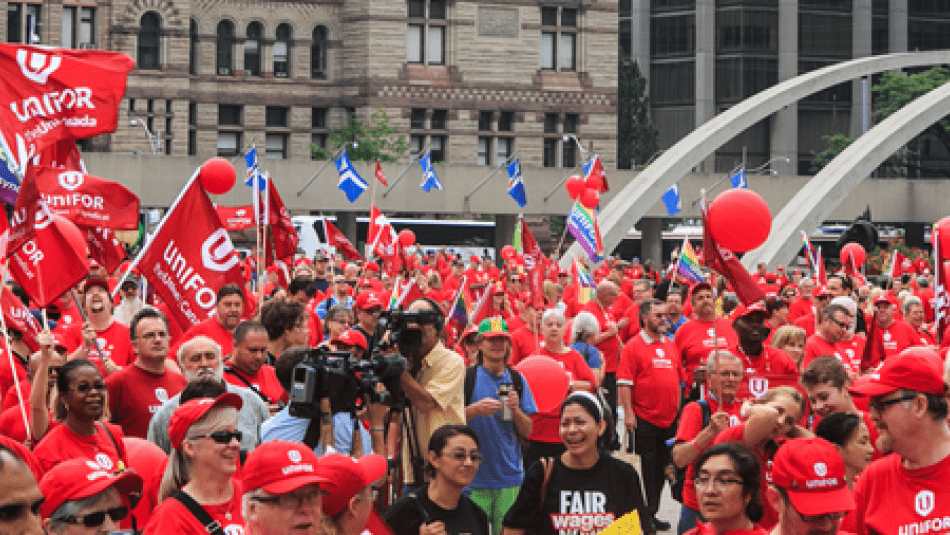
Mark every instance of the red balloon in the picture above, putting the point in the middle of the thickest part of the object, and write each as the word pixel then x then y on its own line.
pixel 575 186
pixel 854 250
pixel 407 238
pixel 547 379
pixel 508 252
pixel 594 181
pixel 217 176
pixel 148 461
pixel 739 220
pixel 590 198
pixel 944 227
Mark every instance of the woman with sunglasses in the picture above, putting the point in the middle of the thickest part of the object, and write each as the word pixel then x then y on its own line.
pixel 198 487
pixel 339 319
pixel 584 486
pixel 440 508
pixel 728 487
pixel 80 406
pixel 82 498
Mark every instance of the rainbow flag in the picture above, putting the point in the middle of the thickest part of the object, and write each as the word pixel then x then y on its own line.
pixel 582 222
pixel 810 256
pixel 582 281
pixel 459 311
pixel 688 264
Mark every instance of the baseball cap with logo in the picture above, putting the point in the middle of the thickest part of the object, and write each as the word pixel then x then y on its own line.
pixel 186 415
pixel 743 310
pixel 347 477
pixel 279 467
pixel 94 281
pixel 493 327
pixel 916 368
pixel 76 479
pixel 351 337
pixel 885 299
pixel 812 472
pixel 367 300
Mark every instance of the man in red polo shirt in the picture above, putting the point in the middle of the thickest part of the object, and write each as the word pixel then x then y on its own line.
pixel 606 341
pixel 696 338
pixel 832 329
pixel 809 321
pixel 245 367
pixel 803 304
pixel 101 339
pixel 758 358
pixel 648 382
pixel 220 327
pixel 887 335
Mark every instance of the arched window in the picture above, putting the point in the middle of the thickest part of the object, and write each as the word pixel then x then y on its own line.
pixel 282 51
pixel 318 53
pixel 192 47
pixel 150 28
pixel 252 49
pixel 224 53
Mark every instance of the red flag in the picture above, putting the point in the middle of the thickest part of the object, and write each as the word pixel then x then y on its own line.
pixel 335 238
pixel 534 265
pixel 597 169
pixel 236 218
pixel 51 262
pixel 63 154
pixel 380 236
pixel 379 174
pixel 408 293
pixel 47 95
pixel 29 213
pixel 941 295
pixel 86 200
pixel 190 258
pixel 726 263
pixel 820 262
pixel 105 248
pixel 284 236
pixel 19 317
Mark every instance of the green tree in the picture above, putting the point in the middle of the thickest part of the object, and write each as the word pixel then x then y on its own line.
pixel 636 137
pixel 374 140
pixel 836 144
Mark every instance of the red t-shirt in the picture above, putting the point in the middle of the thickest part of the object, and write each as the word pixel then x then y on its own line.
pixel 546 425
pixel 524 343
pixel 695 341
pixel 772 360
pixel 68 318
pixel 894 499
pixel 10 399
pixel 690 425
pixel 62 444
pixel 135 395
pixel 212 329
pixel 735 434
pixel 816 346
pixel 926 339
pixel 172 517
pixel 265 381
pixel 610 347
pixel 655 372
pixel 6 374
pixel 114 341
pixel 889 342
pixel 854 349
pixel 800 307
pixel 806 322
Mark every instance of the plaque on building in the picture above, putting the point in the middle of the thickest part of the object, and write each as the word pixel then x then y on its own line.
pixel 496 21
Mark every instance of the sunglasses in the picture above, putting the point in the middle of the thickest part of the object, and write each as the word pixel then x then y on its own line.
pixel 222 437
pixel 14 511
pixel 86 387
pixel 94 520
pixel 460 456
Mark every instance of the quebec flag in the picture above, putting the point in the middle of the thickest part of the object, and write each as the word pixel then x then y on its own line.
pixel 738 180
pixel 253 170
pixel 350 182
pixel 516 183
pixel 429 178
pixel 672 200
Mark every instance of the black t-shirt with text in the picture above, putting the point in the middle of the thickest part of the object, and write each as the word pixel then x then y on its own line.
pixel 406 515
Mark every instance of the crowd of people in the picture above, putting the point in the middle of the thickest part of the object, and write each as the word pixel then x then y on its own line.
pixel 819 409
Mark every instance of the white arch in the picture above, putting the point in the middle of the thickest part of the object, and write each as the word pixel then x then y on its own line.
pixel 638 196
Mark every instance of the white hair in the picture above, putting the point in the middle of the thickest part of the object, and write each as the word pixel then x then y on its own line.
pixel 584 323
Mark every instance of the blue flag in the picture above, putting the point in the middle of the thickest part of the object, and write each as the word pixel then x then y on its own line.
pixel 738 180
pixel 672 200
pixel 429 178
pixel 516 183
pixel 350 182
pixel 253 170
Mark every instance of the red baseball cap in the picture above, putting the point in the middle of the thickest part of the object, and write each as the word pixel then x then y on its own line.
pixel 351 337
pixel 498 288
pixel 885 299
pixel 189 413
pixel 743 310
pixel 367 300
pixel 348 476
pixel 812 472
pixel 371 266
pixel 76 479
pixel 59 341
pixel 280 467
pixel 821 291
pixel 94 281
pixel 916 368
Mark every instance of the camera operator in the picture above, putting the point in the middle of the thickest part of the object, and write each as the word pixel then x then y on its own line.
pixel 433 385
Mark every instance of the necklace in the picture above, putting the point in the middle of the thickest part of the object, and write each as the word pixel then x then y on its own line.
pixel 224 509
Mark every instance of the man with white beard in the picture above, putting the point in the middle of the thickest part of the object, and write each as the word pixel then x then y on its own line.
pixel 200 360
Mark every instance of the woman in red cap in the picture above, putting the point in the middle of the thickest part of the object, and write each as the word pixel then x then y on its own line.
pixel 84 498
pixel 349 504
pixel 198 487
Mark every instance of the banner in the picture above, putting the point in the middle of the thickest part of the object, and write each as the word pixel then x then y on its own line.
pixel 50 263
pixel 283 233
pixel 534 265
pixel 20 318
pixel 105 248
pixel 582 222
pixel 336 239
pixel 86 200
pixel 236 218
pixel 728 265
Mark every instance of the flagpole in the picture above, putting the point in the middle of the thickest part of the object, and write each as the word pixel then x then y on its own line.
pixel 260 287
pixel 16 382
pixel 715 353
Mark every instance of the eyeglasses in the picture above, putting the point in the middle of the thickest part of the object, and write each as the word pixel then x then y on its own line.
pixel 86 387
pixel 881 405
pixel 222 437
pixel 718 483
pixel 460 456
pixel 292 501
pixel 154 335
pixel 14 511
pixel 94 520
pixel 842 324
pixel 814 519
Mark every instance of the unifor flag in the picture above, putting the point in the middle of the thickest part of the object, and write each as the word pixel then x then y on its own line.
pixel 50 94
pixel 534 266
pixel 672 200
pixel 351 183
pixel 190 257
pixel 86 200
pixel 29 214
pixel 51 261
pixel 19 317
pixel 728 265
pixel 738 180
pixel 277 217
pixel 236 218
pixel 516 183
pixel 105 248
pixel 582 223
pixel 338 240
pixel 430 180
pixel 595 168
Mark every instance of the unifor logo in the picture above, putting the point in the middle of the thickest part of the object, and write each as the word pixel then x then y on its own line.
pixel 37 66
pixel 820 469
pixel 294 456
pixel 104 461
pixel 758 386
pixel 217 252
pixel 924 502
pixel 70 180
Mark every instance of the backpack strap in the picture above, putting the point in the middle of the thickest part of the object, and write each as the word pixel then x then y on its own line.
pixel 231 371
pixel 470 383
pixel 211 525
pixel 704 406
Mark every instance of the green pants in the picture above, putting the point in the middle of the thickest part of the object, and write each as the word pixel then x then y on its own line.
pixel 495 503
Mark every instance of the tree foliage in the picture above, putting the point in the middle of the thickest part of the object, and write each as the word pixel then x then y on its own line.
pixel 836 144
pixel 374 140
pixel 636 137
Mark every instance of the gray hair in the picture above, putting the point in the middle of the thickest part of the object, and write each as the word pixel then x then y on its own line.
pixel 200 338
pixel 553 312
pixel 728 355
pixel 910 301
pixel 584 323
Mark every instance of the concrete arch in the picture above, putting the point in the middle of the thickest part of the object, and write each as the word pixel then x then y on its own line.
pixel 825 191
pixel 638 196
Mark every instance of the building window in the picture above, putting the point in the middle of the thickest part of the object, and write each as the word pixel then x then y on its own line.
pixel 224 53
pixel 485 119
pixel 484 151
pixel 24 29
pixel 503 149
pixel 277 116
pixel 252 49
pixel 318 53
pixel 559 38
pixel 505 120
pixel 425 32
pixel 420 134
pixel 437 148
pixel 318 126
pixel 275 145
pixel 229 143
pixel 150 29
pixel 417 120
pixel 192 47
pixel 559 126
pixel 502 145
pixel 79 27
pixel 282 51
pixel 192 132
pixel 229 115
pixel 550 152
pixel 439 119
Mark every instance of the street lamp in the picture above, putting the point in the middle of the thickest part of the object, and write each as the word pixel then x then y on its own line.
pixel 154 141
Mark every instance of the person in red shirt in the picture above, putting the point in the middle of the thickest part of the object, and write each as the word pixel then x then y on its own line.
pixel 696 338
pixel 524 339
pixel 835 324
pixel 220 327
pixel 914 316
pixel 607 340
pixel 906 492
pixel 245 366
pixel 887 336
pixel 809 321
pixel 826 382
pixel 304 291
pixel 137 391
pixel 102 340
pixel 803 304
pixel 648 382
pixel 759 359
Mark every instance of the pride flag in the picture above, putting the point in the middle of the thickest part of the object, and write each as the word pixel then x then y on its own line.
pixel 582 281
pixel 582 222
pixel 688 264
